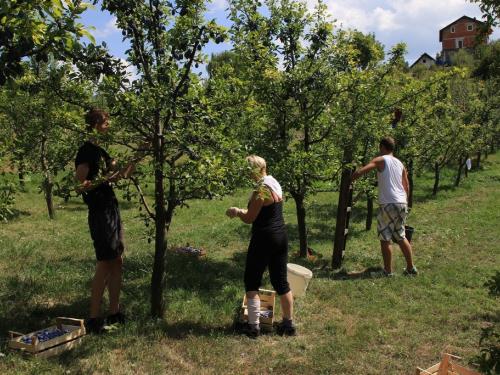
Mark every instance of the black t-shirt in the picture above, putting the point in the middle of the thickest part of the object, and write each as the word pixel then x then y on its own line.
pixel 98 160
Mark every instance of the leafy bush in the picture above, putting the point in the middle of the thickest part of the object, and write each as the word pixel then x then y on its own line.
pixel 489 360
pixel 494 285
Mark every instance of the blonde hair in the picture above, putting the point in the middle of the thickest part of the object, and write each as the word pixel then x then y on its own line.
pixel 256 162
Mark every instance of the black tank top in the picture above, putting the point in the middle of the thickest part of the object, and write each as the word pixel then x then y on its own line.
pixel 269 217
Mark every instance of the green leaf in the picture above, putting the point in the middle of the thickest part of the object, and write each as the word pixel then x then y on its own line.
pixel 87 34
pixel 58 4
pixel 57 12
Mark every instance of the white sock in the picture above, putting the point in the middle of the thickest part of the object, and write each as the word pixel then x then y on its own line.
pixel 253 306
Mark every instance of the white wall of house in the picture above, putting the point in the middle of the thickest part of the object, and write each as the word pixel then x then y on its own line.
pixel 427 61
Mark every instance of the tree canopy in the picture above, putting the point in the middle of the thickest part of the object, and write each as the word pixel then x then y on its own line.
pixel 489 61
pixel 35 28
pixel 371 51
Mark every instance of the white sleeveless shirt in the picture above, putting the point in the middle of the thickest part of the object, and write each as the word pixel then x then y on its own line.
pixel 390 182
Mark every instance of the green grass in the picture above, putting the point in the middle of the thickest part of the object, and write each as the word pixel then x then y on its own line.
pixel 348 323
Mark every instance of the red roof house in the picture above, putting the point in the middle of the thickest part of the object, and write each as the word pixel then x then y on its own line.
pixel 460 33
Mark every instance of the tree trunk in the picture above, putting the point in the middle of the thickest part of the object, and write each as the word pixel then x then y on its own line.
pixel 47 183
pixel 369 212
pixel 342 214
pixel 20 172
pixel 436 179
pixel 301 222
pixel 461 163
pixel 478 161
pixel 161 216
pixel 21 177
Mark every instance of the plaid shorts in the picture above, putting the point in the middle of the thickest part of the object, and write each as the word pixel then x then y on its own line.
pixel 391 221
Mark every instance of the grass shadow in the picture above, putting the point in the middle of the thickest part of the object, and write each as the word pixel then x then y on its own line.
pixel 16 214
pixel 488 317
pixel 21 314
pixel 206 277
pixel 343 274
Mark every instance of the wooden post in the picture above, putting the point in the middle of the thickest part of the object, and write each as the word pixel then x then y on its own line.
pixel 343 215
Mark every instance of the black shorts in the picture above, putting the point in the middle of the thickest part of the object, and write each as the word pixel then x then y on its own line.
pixel 106 230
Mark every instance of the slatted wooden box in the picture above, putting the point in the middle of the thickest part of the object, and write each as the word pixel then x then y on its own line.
pixel 446 367
pixel 267 305
pixel 50 347
pixel 188 251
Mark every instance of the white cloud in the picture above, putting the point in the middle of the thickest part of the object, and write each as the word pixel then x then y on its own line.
pixel 109 29
pixel 370 16
pixel 217 5
pixel 386 19
pixel 414 22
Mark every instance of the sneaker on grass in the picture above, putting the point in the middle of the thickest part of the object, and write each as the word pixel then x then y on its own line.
pixel 412 272
pixel 95 326
pixel 117 318
pixel 281 329
pixel 246 329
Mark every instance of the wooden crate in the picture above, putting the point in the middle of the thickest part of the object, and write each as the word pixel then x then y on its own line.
pixel 267 303
pixel 188 251
pixel 446 367
pixel 50 347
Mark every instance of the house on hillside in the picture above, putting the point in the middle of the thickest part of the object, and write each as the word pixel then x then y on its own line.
pixel 425 59
pixel 459 34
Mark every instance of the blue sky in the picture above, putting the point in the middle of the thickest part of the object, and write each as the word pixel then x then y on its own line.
pixel 414 22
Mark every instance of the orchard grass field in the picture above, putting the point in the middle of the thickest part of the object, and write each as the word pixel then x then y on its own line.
pixel 348 322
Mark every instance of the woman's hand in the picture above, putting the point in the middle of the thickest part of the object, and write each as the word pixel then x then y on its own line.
pixel 232 212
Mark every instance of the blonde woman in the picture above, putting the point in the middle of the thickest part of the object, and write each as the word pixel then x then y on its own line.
pixel 268 248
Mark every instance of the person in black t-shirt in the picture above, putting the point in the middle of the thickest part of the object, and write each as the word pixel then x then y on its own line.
pixel 95 170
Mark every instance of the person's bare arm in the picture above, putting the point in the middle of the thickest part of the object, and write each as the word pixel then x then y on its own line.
pixel 83 184
pixel 255 205
pixel 249 215
pixel 378 163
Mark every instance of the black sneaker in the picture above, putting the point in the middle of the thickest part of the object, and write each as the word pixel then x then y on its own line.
pixel 281 329
pixel 116 318
pixel 95 326
pixel 412 272
pixel 245 328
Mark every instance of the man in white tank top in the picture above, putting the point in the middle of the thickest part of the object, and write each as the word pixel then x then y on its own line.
pixel 393 192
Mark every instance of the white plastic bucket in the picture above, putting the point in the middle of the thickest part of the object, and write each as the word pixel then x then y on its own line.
pixel 298 278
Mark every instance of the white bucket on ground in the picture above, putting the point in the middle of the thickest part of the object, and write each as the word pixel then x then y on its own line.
pixel 298 278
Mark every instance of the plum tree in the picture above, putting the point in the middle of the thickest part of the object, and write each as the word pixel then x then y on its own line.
pixel 167 103
pixel 37 124
pixel 294 64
